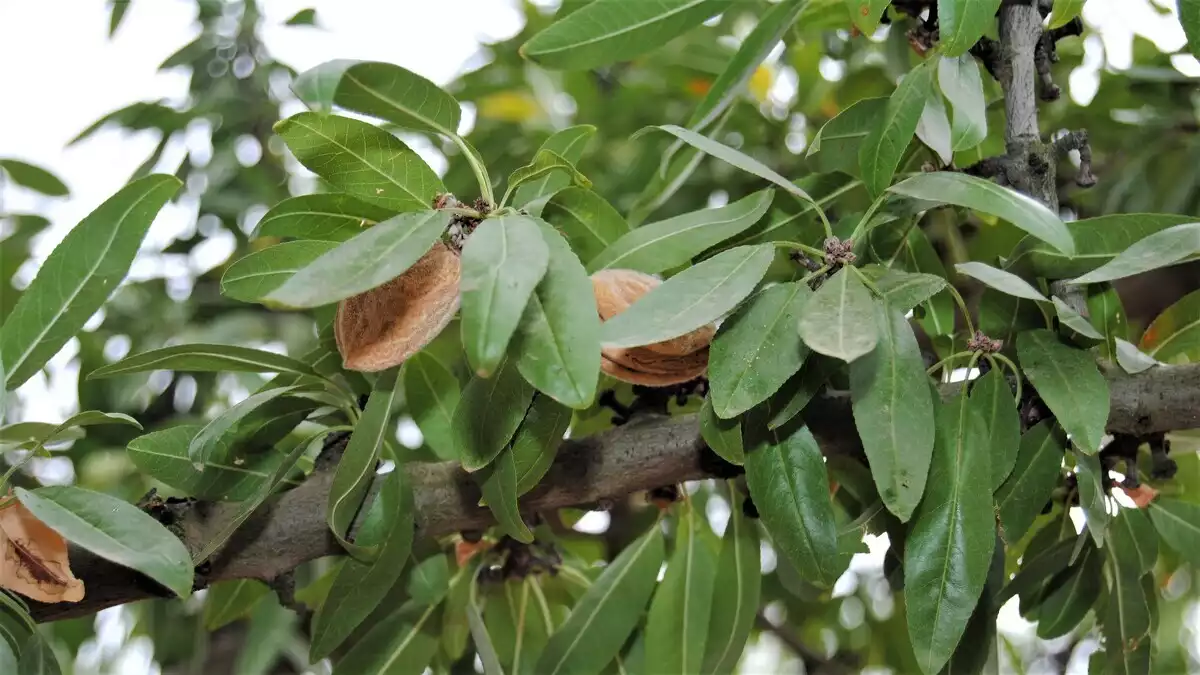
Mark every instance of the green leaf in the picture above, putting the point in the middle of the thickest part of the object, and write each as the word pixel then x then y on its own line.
pixel 114 530
pixel 1133 541
pixel 1158 250
pixel 33 177
pixel 361 159
pixel 963 22
pixel 736 591
pixel 401 644
pixel 608 31
pixel 1000 418
pixel 1093 498
pixel 669 243
pixel 1064 11
pixel 429 580
pixel 8 656
pixel 904 290
pixel 371 259
pixel 757 349
pixel 1189 17
pixel 91 418
pixel 256 275
pixel 488 415
pixel 305 17
pixel 558 336
pixel 228 601
pixel 498 483
pixel 866 14
pixel 1074 320
pixel 1041 564
pixel 359 586
pixel 589 222
pixel 502 263
pixel 323 216
pixel 1070 383
pixel 1097 241
pixel 952 536
pixel 568 143
pixel 724 437
pixel 839 319
pixel 37 657
pixel 796 393
pixel 1070 596
pixel 484 648
pixel 893 411
pixel 694 297
pixel 357 465
pixel 1005 282
pixel 1127 621
pixel 962 86
pixel 1022 496
pixel 880 152
pixel 836 145
pixel 206 358
pixel 733 157
pixel 207 440
pixel 28 433
pixel 544 163
pixel 1175 332
pixel 78 276
pixel 790 486
pixel 608 612
pixel 677 623
pixel 1131 359
pixel 431 392
pixel 386 91
pixel 519 623
pixel 933 128
pixel 1178 523
pixel 536 442
pixel 1108 314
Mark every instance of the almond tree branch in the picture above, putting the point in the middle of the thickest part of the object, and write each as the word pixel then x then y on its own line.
pixel 648 452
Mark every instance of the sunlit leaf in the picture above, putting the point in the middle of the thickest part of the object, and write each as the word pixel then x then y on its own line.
pixel 963 22
pixel 545 163
pixel 1074 320
pixel 933 128
pixel 589 222
pixel 321 216
pixel 569 144
pixel 382 90
pixel 256 275
pixel 866 14
pixel 880 152
pixel 1097 241
pixel 1161 249
pixel 1064 11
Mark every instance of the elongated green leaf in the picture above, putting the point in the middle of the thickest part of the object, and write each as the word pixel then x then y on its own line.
pixel 78 276
pixel 114 530
pixel 1133 541
pixel 33 177
pixel 37 657
pixel 933 128
pixel 608 612
pixel 431 392
pixel 359 587
pixel 544 163
pixel 1179 524
pixel 502 263
pixel 977 646
pixel 690 299
pixel 8 656
pixel 1003 423
pixel 880 152
pixel 790 486
pixel 322 216
pixel 607 31
pixel 735 158
pixel 1070 595
pixel 261 272
pixel 962 85
pixel 402 644
pixel 568 143
pixel 91 418
pixel 498 483
pixel 839 319
pixel 357 464
pixel 866 14
pixel 558 338
pixel 536 442
pixel 361 159
pixel 1131 359
pixel 1107 313
pixel 1005 282
pixel 1070 383
pixel 724 437
pixel 1041 564
pixel 893 411
pixel 666 182
pixel 836 145
pixel 590 223
pixel 484 648
pixel 736 591
pixel 985 196
pixel 796 393
pixel 757 349
pixel 963 22
pixel 1064 11
pixel 904 290
pixel 677 624
pixel 1023 495
pixel 1189 16
pixel 371 259
pixel 488 415
pixel 1175 332
pixel 386 91
pixel 520 624
pixel 203 446
pixel 1093 497
pixel 952 536
pixel 1161 249
pixel 229 601
pixel 1097 242
pixel 1074 320
pixel 29 433
pixel 1127 623
pixel 209 358
pixel 670 243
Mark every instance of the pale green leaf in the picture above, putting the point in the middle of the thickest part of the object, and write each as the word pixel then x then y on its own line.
pixel 677 623
pixel 1161 249
pixel 569 144
pixel 545 163
pixel 724 437
pixel 206 358
pixel 962 86
pixel 228 601
pixel 536 441
pixel 1064 11
pixel 1179 524
pixel 401 644
pixel 431 392
pixel 1097 241
pixel 933 128
pixel 1074 320
pixel 839 319
pixel 736 591
pixel 589 222
pixel 1005 282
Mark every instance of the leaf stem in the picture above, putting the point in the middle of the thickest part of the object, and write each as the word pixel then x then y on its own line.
pixel 813 251
pixel 1011 366
pixel 811 275
pixel 480 171
pixel 861 228
pixel 962 306
pixel 941 364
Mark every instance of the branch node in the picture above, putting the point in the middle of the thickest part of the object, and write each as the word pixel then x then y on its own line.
pixel 1078 140
pixel 990 55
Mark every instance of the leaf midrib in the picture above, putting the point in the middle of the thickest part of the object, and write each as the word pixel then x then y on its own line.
pixel 671 234
pixel 399 106
pixel 360 158
pixel 627 29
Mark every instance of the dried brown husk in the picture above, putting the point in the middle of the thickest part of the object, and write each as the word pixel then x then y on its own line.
pixel 34 562
pixel 386 325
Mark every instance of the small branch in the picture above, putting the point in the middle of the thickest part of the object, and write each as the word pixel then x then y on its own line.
pixel 1078 140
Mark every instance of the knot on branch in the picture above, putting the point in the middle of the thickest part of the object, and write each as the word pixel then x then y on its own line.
pixel 509 559
pixel 983 344
pixel 1078 141
pixel 839 253
pixel 1046 54
pixel 989 53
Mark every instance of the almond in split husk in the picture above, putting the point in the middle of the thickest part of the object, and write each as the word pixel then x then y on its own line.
pixel 34 559
pixel 386 325
pixel 660 364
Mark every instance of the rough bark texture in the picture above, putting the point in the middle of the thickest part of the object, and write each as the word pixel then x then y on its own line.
pixel 646 453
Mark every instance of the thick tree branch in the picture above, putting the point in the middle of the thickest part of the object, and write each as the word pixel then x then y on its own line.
pixel 646 453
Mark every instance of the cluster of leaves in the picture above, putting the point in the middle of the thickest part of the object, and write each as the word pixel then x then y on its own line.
pixel 957 475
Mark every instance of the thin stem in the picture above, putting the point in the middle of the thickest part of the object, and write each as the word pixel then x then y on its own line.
pixel 824 221
pixel 1011 366
pixel 866 282
pixel 811 275
pixel 480 171
pixel 818 253
pixel 940 364
pixel 962 306
pixel 860 229
pixel 970 365
pixel 459 211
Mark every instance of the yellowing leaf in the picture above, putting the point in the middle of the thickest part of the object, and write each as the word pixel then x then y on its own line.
pixel 508 106
pixel 34 562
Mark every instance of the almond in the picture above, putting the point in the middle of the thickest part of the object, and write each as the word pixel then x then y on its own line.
pixel 386 325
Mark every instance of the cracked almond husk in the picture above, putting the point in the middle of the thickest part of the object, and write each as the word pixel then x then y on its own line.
pixel 34 562
pixel 386 325
pixel 660 364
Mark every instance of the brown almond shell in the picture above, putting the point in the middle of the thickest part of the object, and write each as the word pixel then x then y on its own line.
pixel 617 289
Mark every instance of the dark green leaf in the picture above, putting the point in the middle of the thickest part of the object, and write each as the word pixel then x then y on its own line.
pixel 498 483
pixel 8 656
pixel 1175 332
pixel 590 223
pixel 386 91
pixel 1097 242
pixel 305 17
pixel 254 276
pixel 960 82
pixel 736 591
pixel 537 439
pixel 114 530
pixel 322 216
pixel 1001 420
pixel 208 358
pixel 724 437
pixel 1070 383
pixel 839 319
pixel 799 390
pixel 1133 541
pixel 546 163
pixel 117 11
pixel 37 657
pixel 1040 564
pixel 431 392
pixel 228 601
pixel 963 22
pixel 429 580
pixel 1107 313
pixel 1093 498
pixel 952 536
pixel 502 263
pixel 488 415
pixel 1003 316
pixel 33 177
pixel 1074 320
pixel 677 623
pixel 371 259
pixel 893 411
pixel 690 299
pixel 203 446
pixel 78 276
pixel 1025 492
pixel 1005 282
pixel 1070 595
pixel 1189 16
pixel 568 143
pixel 880 152
pixel 1126 626
pixel 836 145
pixel 402 644
pixel 1158 250
pixel 484 648
pixel 1179 524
